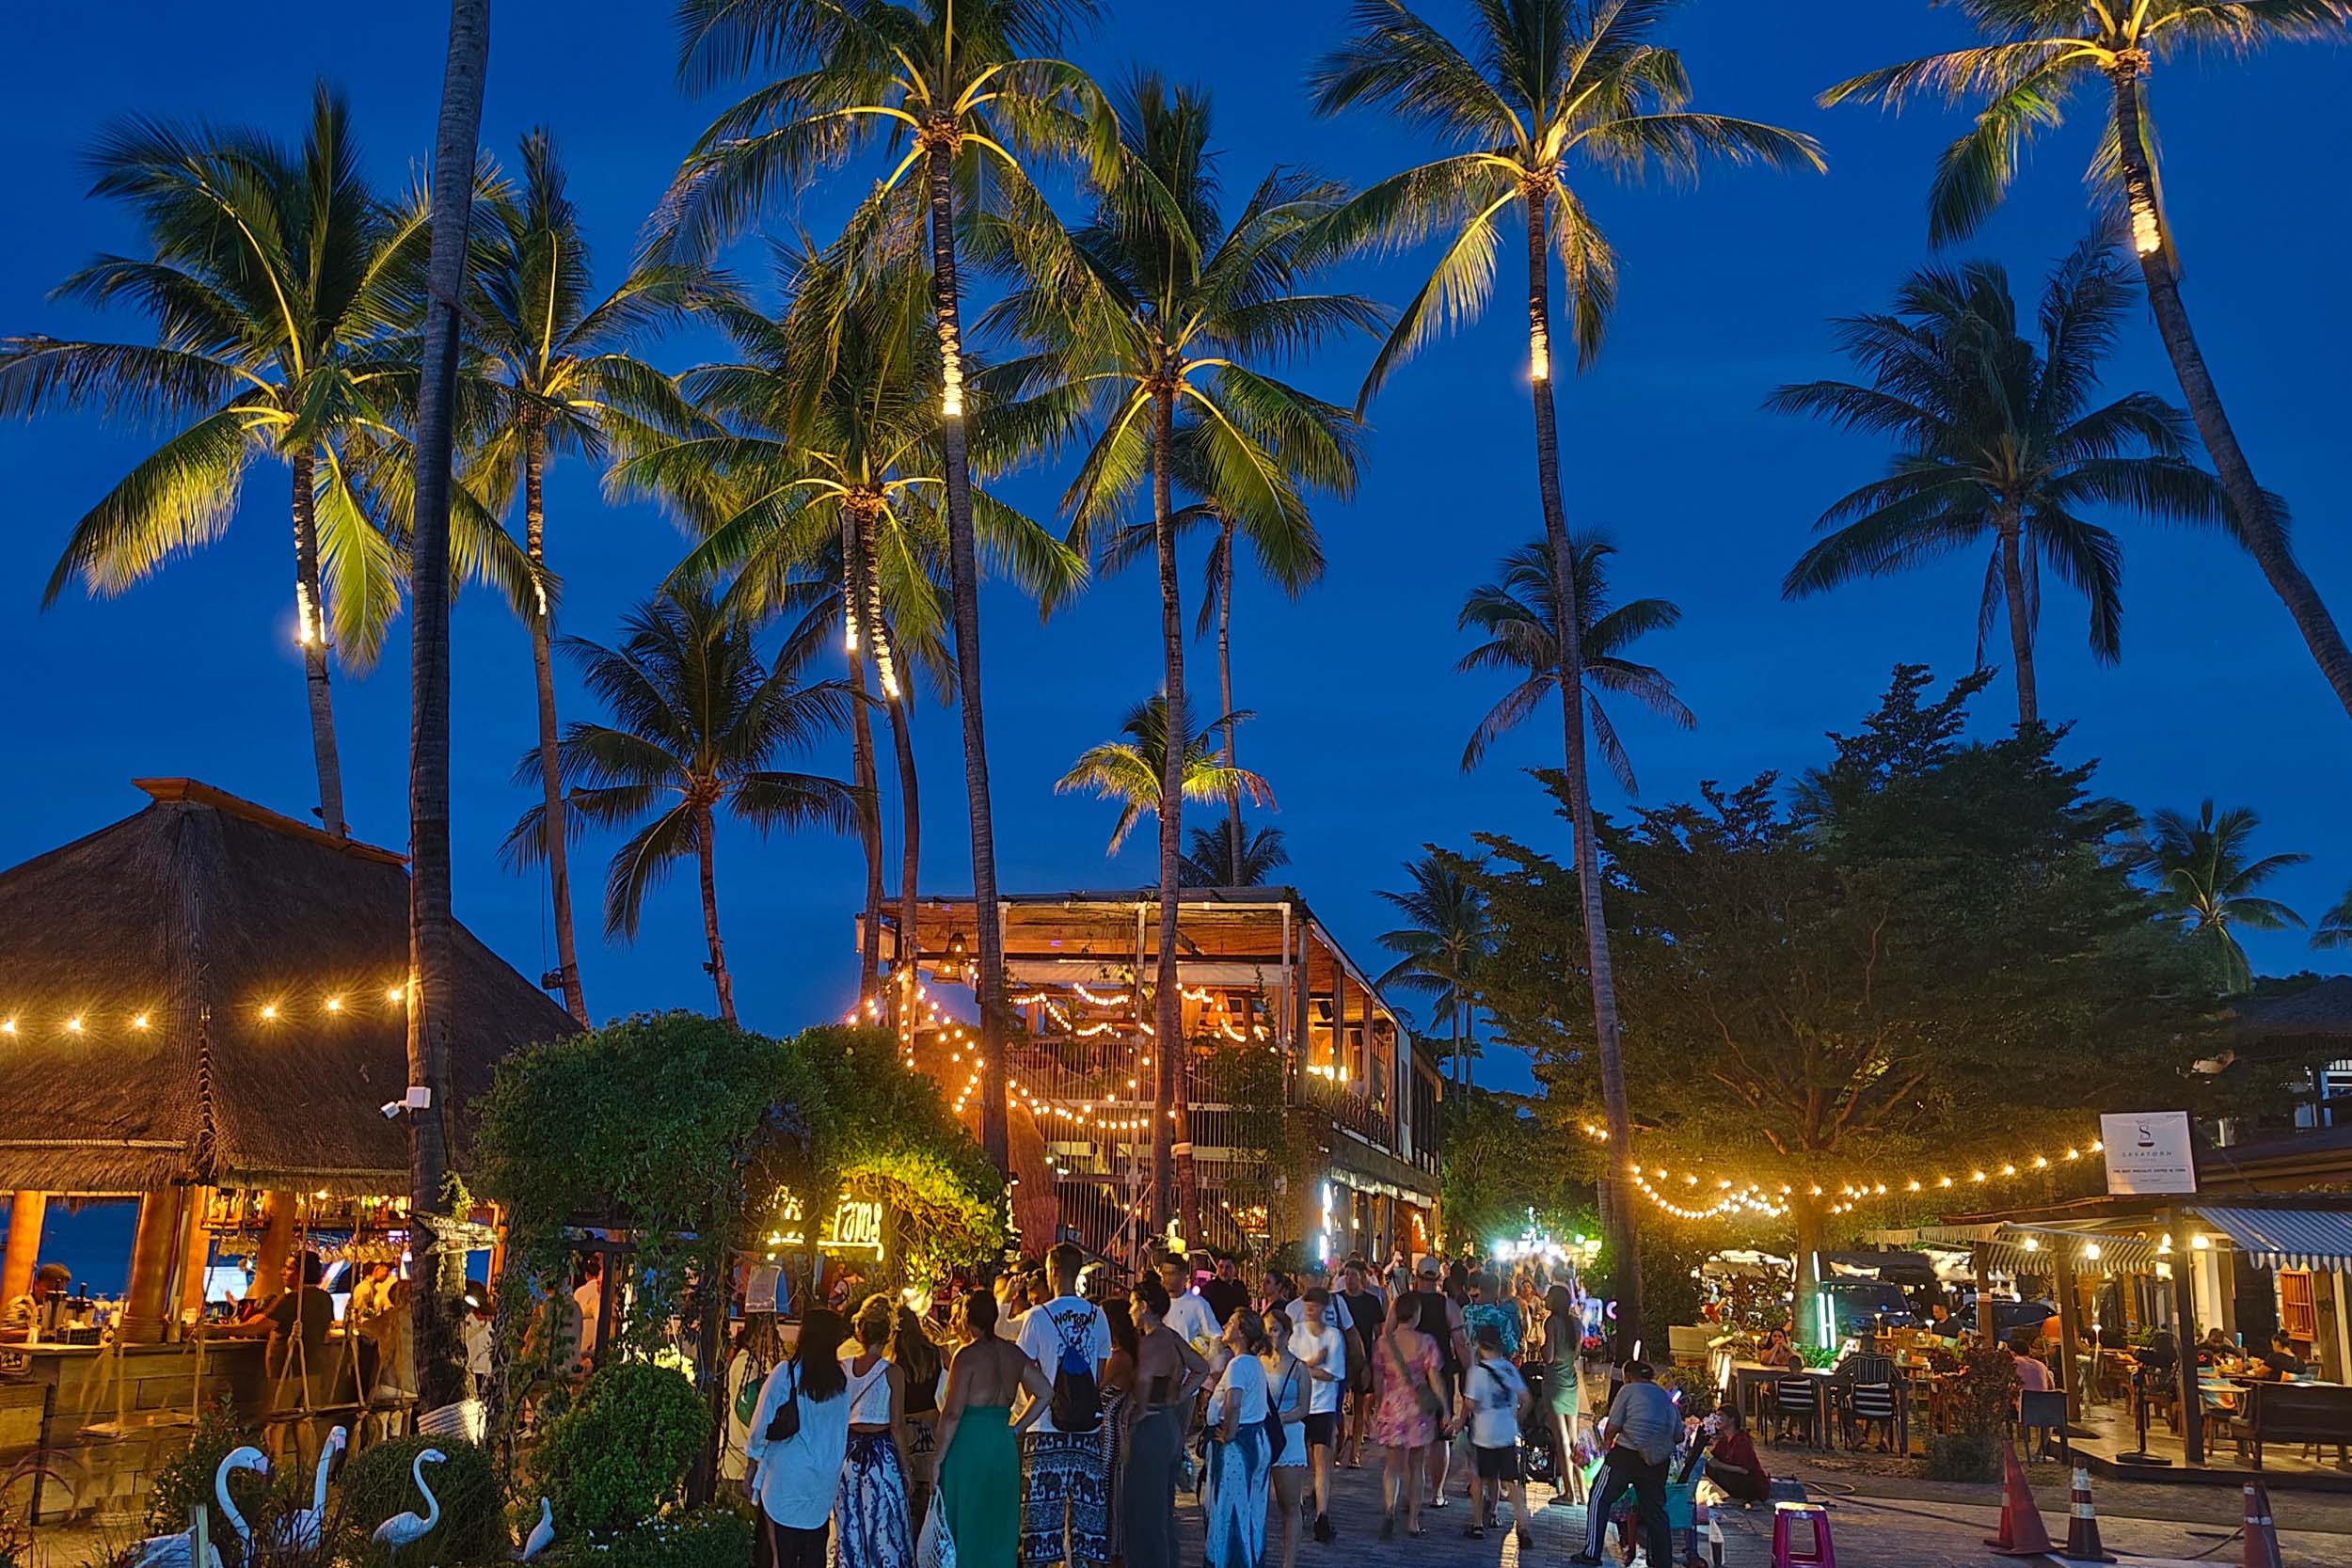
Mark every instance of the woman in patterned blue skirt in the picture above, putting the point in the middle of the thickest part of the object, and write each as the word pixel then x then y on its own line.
pixel 1241 1460
pixel 871 1525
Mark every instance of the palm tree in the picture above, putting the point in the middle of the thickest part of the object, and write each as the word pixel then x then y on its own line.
pixel 431 930
pixel 2207 875
pixel 1150 314
pixel 1555 83
pixel 557 370
pixel 1451 934
pixel 1212 863
pixel 1133 769
pixel 278 282
pixel 973 85
pixel 1998 442
pixel 821 499
pixel 1520 616
pixel 2335 927
pixel 2040 51
pixel 698 722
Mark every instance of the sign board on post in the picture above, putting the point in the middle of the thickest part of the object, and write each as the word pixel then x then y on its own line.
pixel 2148 1153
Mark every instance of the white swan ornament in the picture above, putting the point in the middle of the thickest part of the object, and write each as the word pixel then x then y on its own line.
pixel 542 1534
pixel 178 1551
pixel 302 1529
pixel 401 1528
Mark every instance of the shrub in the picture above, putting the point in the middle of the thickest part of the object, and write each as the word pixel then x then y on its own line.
pixel 611 1460
pixel 717 1536
pixel 1962 1456
pixel 378 1485
pixel 1694 1392
pixel 188 1481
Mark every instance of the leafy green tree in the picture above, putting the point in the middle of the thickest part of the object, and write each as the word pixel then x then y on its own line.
pixel 1500 1163
pixel 1158 315
pixel 2039 54
pixel 281 286
pixel 1998 441
pixel 1546 85
pixel 1211 865
pixel 2206 873
pixel 972 89
pixel 1440 952
pixel 557 374
pixel 1518 615
pixel 1931 938
pixel 2335 927
pixel 1133 770
pixel 697 723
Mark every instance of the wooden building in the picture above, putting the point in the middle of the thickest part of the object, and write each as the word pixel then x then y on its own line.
pixel 1313 1114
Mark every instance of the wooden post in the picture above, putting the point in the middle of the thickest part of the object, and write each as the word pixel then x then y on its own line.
pixel 1980 1259
pixel 279 1212
pixel 196 1251
pixel 155 1247
pixel 2070 1331
pixel 2185 1332
pixel 26 1210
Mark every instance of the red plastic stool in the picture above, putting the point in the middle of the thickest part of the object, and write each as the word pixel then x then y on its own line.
pixel 1817 1553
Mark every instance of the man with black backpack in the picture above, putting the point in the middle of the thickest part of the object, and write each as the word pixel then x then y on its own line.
pixel 1065 1471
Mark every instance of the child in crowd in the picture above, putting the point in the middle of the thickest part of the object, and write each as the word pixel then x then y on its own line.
pixel 1497 1401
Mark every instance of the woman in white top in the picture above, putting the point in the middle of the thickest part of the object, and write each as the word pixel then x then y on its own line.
pixel 1241 1457
pixel 794 1476
pixel 871 1529
pixel 1286 1376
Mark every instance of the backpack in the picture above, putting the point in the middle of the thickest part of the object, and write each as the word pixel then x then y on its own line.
pixel 1077 1404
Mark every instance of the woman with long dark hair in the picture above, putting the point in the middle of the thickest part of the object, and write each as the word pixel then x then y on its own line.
pixel 869 1519
pixel 1286 1376
pixel 1412 1403
pixel 919 1364
pixel 1240 1459
pixel 799 1436
pixel 979 1440
pixel 1564 1330
pixel 1168 1371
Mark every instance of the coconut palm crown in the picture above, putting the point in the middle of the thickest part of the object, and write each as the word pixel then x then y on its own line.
pixel 2000 440
pixel 2206 875
pixel 1129 770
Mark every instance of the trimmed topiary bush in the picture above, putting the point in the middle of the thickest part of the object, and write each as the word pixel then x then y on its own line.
pixel 614 1458
pixel 1962 1456
pixel 377 1484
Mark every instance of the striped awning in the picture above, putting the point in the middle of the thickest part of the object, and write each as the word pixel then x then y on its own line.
pixel 2285 1237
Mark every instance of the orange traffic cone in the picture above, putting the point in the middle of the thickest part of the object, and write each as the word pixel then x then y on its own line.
pixel 2082 1525
pixel 2262 1536
pixel 2022 1534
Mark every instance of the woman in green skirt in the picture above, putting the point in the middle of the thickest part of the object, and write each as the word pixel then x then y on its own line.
pixel 980 1438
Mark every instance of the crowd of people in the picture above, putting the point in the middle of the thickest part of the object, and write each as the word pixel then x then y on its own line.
pixel 1034 1423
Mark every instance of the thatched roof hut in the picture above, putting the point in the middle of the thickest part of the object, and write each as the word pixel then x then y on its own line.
pixel 209 993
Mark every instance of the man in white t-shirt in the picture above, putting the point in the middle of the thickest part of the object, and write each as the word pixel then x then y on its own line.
pixel 1187 1313
pixel 1321 1345
pixel 1065 1484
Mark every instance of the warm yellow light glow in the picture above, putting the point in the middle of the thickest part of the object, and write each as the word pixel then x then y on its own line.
pixel 1539 354
pixel 139 1022
pixel 395 993
pixel 8 1027
pixel 334 1003
pixel 2146 232
pixel 270 1013
pixel 75 1024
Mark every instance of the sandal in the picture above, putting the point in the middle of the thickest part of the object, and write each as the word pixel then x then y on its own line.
pixel 1476 1532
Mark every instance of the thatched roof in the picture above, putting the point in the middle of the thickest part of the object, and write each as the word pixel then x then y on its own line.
pixel 2320 1012
pixel 199 992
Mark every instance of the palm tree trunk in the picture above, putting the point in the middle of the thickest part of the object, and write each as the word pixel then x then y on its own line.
pixel 550 778
pixel 862 766
pixel 311 607
pixel 904 959
pixel 963 579
pixel 432 931
pixel 1171 1146
pixel 1616 1211
pixel 2020 623
pixel 1225 693
pixel 705 830
pixel 2264 539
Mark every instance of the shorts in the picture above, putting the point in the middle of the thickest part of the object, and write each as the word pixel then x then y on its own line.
pixel 1323 1429
pixel 1498 1464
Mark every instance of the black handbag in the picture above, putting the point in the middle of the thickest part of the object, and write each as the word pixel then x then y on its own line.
pixel 784 1425
pixel 1273 1416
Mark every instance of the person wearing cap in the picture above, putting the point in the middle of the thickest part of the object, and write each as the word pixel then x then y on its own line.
pixel 1642 1429
pixel 1441 1320
pixel 24 1314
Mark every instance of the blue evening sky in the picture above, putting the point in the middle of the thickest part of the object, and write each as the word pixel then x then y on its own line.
pixel 1361 716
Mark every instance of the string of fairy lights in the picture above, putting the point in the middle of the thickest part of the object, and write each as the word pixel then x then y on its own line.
pixel 282 1008
pixel 1771 1201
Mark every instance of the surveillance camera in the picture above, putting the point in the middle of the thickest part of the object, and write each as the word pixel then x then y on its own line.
pixel 391 1108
